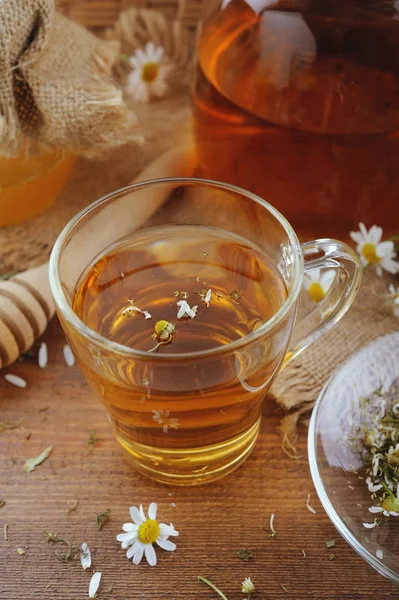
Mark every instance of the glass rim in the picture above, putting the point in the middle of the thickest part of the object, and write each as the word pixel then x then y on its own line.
pixel 72 318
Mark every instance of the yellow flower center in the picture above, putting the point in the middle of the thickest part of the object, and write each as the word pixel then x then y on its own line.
pixel 316 292
pixel 391 504
pixel 148 531
pixel 149 72
pixel 369 252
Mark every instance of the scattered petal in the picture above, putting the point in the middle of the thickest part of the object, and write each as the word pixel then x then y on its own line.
pixel 94 584
pixel 85 556
pixel 185 310
pixel 42 356
pixel 32 463
pixel 273 531
pixel 21 551
pixel 310 508
pixel 68 355
pixel 15 380
pixel 370 525
pixel 379 554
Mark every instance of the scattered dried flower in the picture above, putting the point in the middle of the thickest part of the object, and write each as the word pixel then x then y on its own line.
pixel 68 355
pixel 162 418
pixel 331 556
pixel 185 311
pixel 271 525
pixel 374 252
pixel 93 439
pixel 72 508
pixel 56 539
pixel 32 463
pixel 143 533
pixel 15 380
pixel 318 282
pixel 102 518
pixel 310 508
pixel 183 295
pixel 330 543
pixel 375 437
pixel 42 357
pixel 94 584
pixel 206 296
pixel 149 73
pixel 244 554
pixel 212 586
pixel 130 310
pixel 85 556
pixel 21 551
pixel 7 425
pixel 235 296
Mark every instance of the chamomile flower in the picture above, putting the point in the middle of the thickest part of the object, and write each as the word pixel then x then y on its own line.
pixel 140 535
pixel 318 282
pixel 372 251
pixel 393 293
pixel 247 587
pixel 162 418
pixel 149 72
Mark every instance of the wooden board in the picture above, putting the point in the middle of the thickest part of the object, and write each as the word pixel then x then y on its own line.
pixel 214 521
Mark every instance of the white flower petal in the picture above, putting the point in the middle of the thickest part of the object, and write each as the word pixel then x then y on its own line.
pixel 139 554
pixel 129 527
pixel 94 584
pixel 15 380
pixel 42 357
pixel 152 511
pixel 166 545
pixel 376 509
pixel 134 549
pixel 326 279
pixel 142 514
pixel 374 234
pixel 150 555
pixel 68 355
pixel 370 525
pixel 167 530
pixel 136 516
pixel 379 554
pixel 85 556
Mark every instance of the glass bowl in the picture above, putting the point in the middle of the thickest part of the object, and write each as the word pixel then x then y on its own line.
pixel 337 470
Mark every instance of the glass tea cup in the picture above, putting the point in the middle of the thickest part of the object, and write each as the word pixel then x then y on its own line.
pixel 183 387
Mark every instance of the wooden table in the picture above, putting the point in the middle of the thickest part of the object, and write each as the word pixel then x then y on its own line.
pixel 214 521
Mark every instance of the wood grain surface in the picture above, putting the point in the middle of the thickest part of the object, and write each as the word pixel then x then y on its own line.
pixel 214 521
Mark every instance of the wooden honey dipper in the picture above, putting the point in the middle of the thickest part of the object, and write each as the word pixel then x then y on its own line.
pixel 26 303
pixel 26 306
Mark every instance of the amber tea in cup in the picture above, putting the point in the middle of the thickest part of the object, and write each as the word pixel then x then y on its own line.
pixel 181 323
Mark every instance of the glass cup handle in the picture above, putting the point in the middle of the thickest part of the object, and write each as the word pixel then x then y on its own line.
pixel 310 325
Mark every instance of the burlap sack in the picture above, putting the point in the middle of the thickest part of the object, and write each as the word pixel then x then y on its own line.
pixel 55 83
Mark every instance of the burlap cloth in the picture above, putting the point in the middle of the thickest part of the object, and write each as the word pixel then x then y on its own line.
pixel 56 85
pixel 166 123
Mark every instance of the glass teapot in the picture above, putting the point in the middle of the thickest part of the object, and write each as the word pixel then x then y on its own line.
pixel 298 102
